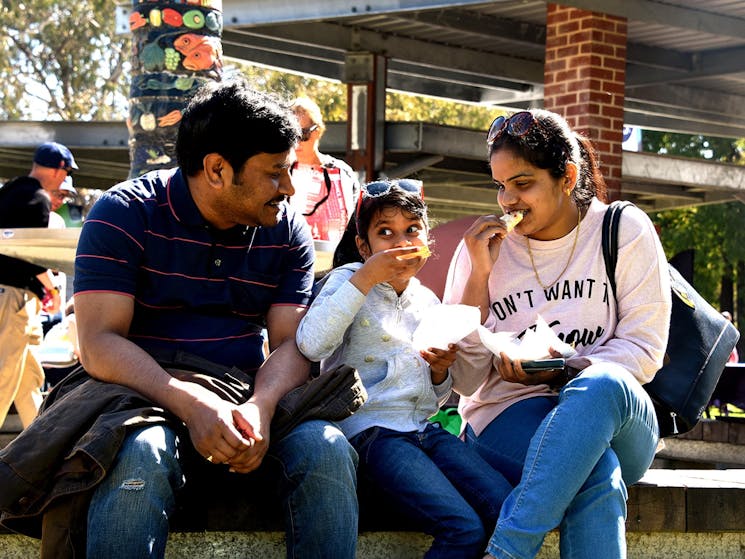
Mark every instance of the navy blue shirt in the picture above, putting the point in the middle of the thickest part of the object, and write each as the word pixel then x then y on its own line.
pixel 23 203
pixel 195 288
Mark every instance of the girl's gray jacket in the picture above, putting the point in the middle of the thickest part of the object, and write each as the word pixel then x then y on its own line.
pixel 373 333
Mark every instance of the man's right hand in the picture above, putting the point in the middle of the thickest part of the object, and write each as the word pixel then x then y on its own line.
pixel 212 428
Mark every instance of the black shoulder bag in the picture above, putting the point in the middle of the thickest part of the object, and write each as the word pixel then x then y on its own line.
pixel 700 343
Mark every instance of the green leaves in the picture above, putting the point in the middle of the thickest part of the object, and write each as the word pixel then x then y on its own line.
pixel 62 61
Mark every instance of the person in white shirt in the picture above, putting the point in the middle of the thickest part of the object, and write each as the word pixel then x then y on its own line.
pixel 569 439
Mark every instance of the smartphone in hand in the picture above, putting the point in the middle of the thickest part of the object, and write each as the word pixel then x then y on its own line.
pixel 537 365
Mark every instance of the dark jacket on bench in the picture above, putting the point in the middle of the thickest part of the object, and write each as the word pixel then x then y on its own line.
pixel 49 470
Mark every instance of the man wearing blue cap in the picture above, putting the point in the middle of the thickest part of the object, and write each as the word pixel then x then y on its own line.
pixel 26 288
pixel 26 201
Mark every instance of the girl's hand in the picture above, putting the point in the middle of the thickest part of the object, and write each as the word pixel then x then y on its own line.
pixel 439 361
pixel 483 240
pixel 385 266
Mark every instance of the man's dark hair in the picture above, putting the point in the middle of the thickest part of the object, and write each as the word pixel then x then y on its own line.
pixel 234 120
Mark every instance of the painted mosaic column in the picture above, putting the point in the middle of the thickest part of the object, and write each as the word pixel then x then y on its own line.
pixel 175 48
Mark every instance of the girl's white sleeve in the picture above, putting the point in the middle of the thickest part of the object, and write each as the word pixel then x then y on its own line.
pixel 321 331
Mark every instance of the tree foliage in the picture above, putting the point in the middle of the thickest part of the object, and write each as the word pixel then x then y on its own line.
pixel 716 233
pixel 724 150
pixel 331 98
pixel 62 61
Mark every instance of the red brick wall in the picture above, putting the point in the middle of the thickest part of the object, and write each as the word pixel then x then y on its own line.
pixel 584 80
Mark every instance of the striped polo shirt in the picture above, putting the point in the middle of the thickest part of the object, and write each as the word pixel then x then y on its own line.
pixel 195 288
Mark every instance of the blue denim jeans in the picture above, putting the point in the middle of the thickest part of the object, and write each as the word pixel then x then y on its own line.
pixel 436 481
pixel 129 511
pixel 600 435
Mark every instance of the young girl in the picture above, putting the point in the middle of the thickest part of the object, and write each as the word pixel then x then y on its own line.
pixel 364 316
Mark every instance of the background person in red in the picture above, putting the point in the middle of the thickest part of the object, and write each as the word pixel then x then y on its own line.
pixel 326 188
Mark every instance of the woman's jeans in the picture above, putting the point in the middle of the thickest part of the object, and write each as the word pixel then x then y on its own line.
pixel 128 515
pixel 436 481
pixel 581 450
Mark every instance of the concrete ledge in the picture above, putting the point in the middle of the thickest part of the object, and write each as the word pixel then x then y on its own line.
pixel 686 514
pixel 719 442
pixel 408 545
pixel 688 501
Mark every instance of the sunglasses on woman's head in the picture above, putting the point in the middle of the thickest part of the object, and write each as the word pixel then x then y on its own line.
pixel 516 125
pixel 306 132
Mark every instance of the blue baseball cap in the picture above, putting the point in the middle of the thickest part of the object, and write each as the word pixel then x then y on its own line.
pixel 54 155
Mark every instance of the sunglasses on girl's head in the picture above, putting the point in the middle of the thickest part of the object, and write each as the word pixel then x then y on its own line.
pixel 516 125
pixel 306 132
pixel 380 188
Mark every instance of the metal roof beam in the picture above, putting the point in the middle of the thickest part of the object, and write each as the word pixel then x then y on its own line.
pixel 644 116
pixel 667 14
pixel 315 61
pixel 483 25
pixel 259 12
pixel 715 63
pixel 453 75
pixel 94 134
pixel 654 170
pixel 718 106
pixel 656 57
pixel 415 51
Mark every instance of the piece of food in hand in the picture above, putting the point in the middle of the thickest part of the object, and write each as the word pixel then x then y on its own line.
pixel 423 252
pixel 512 219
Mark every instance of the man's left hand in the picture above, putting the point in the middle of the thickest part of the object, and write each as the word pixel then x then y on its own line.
pixel 253 423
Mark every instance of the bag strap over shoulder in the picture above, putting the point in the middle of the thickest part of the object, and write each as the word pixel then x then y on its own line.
pixel 611 223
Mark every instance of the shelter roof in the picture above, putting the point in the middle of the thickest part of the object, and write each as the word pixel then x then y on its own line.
pixel 685 73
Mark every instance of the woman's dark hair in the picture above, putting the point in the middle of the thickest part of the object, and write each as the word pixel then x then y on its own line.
pixel 234 120
pixel 359 224
pixel 550 144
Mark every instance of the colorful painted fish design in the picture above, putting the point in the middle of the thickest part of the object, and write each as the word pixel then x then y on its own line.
pixel 200 52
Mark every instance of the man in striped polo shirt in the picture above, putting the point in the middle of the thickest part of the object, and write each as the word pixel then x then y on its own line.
pixel 201 259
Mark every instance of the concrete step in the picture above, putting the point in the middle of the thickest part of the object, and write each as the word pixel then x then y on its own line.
pixel 406 545
pixel 686 514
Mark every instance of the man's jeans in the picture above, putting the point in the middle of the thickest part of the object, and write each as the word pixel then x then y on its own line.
pixel 599 437
pixel 434 479
pixel 128 515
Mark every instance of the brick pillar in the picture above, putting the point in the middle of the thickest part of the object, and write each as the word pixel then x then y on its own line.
pixel 585 75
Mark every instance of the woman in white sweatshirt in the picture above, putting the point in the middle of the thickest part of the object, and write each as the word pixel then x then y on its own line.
pixel 365 316
pixel 570 440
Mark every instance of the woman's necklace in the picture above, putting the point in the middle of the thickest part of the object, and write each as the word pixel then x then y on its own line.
pixel 571 254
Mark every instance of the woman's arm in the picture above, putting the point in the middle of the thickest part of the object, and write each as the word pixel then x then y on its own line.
pixel 472 263
pixel 643 300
